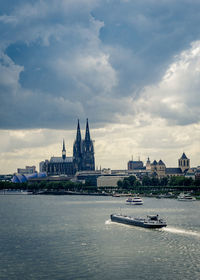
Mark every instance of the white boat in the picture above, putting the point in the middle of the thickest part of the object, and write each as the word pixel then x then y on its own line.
pixel 185 197
pixel 134 200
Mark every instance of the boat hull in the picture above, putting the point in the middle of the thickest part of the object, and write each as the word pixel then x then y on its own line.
pixel 135 222
pixel 186 199
pixel 134 203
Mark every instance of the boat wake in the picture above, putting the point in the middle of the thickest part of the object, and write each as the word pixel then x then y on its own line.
pixel 165 229
pixel 108 222
pixel 181 231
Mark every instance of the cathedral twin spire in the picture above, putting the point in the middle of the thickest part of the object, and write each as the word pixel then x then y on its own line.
pixel 87 132
pixel 83 150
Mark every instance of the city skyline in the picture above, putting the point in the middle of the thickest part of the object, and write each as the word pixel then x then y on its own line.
pixel 58 147
pixel 131 67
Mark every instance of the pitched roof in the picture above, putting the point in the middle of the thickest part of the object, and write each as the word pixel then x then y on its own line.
pixel 173 170
pixel 183 156
pixel 60 159
pixel 161 162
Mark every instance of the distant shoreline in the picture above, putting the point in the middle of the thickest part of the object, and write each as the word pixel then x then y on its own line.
pixel 62 192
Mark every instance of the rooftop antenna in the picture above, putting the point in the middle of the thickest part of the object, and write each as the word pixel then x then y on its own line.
pixel 132 158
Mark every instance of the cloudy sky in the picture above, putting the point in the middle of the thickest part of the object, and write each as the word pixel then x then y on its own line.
pixel 131 67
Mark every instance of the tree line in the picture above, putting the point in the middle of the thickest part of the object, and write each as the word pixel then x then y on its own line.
pixel 132 182
pixel 48 186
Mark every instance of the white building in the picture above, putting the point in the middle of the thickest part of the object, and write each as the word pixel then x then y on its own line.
pixel 109 180
pixel 26 170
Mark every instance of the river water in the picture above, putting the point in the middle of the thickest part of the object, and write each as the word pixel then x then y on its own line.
pixel 72 237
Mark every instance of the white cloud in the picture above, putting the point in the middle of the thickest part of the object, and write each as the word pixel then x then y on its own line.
pixel 8 19
pixel 157 140
pixel 91 73
pixel 176 97
pixel 29 147
pixel 9 72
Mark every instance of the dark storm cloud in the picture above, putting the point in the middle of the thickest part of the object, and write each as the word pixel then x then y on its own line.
pixel 146 35
pixel 61 60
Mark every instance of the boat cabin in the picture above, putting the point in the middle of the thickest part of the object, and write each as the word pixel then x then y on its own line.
pixel 153 217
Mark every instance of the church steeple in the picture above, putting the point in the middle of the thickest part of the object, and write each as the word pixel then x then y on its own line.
pixel 77 149
pixel 87 131
pixel 88 150
pixel 78 133
pixel 63 151
pixel 184 163
pixel 63 145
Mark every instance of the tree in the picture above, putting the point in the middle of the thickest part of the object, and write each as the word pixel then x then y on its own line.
pixel 137 183
pixel 164 181
pixel 154 181
pixel 120 184
pixel 146 181
pixel 88 182
pixel 132 180
pixel 126 183
pixel 181 181
pixel 197 182
pixel 188 181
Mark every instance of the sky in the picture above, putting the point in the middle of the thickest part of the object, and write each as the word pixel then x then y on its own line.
pixel 131 67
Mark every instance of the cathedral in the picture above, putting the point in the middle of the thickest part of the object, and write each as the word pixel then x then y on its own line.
pixel 82 159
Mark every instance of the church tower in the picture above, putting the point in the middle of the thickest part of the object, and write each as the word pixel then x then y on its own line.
pixel 148 164
pixel 77 149
pixel 88 151
pixel 184 163
pixel 63 151
pixel 161 169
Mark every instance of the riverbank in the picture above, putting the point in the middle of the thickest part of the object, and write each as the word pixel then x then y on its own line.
pixel 70 193
pixel 87 193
